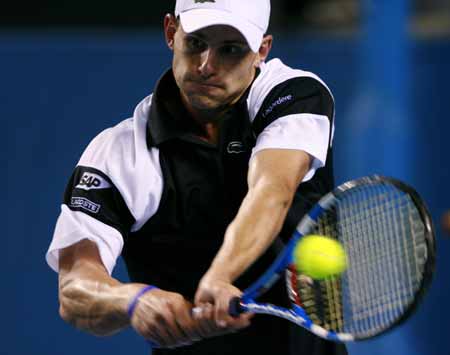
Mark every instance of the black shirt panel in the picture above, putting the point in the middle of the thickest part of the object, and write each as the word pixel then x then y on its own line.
pixel 92 192
pixel 168 251
pixel 295 96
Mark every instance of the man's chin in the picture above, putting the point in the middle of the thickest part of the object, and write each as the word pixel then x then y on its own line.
pixel 205 104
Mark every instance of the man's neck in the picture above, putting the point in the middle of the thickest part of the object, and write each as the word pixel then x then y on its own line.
pixel 209 124
pixel 207 121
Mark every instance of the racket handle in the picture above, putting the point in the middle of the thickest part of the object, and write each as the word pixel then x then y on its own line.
pixel 235 308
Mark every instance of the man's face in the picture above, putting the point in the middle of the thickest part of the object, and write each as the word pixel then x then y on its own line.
pixel 212 67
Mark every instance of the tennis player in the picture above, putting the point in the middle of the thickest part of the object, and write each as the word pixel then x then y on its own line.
pixel 197 191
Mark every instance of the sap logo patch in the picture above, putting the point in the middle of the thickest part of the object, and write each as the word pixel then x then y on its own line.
pixel 85 204
pixel 91 181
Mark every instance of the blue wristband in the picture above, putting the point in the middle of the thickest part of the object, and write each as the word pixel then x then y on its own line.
pixel 133 303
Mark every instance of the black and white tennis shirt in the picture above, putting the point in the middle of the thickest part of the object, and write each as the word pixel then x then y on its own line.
pixel 153 191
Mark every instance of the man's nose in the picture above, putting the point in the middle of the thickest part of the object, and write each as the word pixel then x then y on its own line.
pixel 208 62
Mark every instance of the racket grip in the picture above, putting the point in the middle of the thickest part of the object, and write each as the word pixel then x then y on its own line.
pixel 235 308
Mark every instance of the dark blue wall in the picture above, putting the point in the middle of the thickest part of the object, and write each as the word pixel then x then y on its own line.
pixel 58 90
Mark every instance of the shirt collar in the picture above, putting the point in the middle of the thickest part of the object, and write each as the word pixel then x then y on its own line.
pixel 168 118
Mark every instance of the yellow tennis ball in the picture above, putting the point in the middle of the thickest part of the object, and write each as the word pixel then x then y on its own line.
pixel 319 257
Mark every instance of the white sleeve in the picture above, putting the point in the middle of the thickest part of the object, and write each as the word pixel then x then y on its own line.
pixel 307 132
pixel 114 190
pixel 73 226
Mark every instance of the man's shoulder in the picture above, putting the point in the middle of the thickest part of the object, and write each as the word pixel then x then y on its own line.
pixel 276 68
pixel 279 81
pixel 275 72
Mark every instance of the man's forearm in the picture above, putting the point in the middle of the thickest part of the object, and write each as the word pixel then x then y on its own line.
pixel 255 227
pixel 97 305
pixel 274 176
pixel 85 305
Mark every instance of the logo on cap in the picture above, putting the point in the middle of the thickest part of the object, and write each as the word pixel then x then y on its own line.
pixel 203 1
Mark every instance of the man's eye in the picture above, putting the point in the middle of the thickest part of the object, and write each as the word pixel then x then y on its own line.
pixel 195 44
pixel 233 49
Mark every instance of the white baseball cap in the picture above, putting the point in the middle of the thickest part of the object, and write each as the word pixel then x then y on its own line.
pixel 249 17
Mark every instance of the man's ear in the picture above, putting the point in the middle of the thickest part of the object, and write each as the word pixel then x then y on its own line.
pixel 265 48
pixel 170 28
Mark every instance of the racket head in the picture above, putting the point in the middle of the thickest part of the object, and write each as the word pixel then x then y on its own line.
pixel 388 235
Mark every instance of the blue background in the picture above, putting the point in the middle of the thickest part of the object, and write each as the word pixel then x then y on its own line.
pixel 59 89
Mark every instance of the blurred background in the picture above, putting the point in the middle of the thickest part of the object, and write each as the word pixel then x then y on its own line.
pixel 70 69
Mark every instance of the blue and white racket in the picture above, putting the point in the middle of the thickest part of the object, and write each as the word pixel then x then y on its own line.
pixel 388 237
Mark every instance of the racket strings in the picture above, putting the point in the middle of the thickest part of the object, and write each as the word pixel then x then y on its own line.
pixel 384 272
pixel 384 237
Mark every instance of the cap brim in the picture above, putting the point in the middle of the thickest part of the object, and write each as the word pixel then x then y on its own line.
pixel 197 19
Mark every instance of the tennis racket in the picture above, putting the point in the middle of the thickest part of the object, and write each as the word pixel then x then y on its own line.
pixel 388 237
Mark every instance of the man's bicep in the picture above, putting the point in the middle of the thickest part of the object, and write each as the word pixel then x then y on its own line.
pixel 286 167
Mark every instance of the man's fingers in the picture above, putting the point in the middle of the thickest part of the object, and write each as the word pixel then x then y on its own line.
pixel 181 324
pixel 206 322
pixel 186 323
pixel 219 292
pixel 221 314
pixel 223 317
pixel 169 330
pixel 149 332
pixel 225 320
pixel 204 317
pixel 165 318
pixel 244 320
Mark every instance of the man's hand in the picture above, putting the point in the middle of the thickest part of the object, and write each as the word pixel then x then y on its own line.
pixel 219 292
pixel 165 318
pixel 91 300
